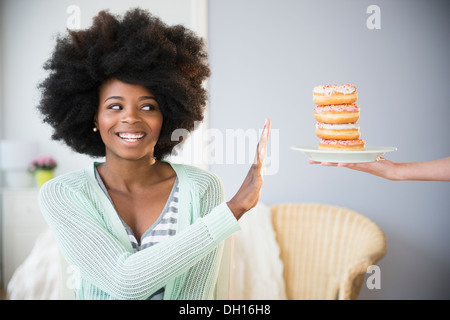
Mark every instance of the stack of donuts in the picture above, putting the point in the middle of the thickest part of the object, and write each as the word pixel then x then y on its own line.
pixel 337 117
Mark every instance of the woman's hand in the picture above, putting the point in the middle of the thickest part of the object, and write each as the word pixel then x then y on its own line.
pixel 248 194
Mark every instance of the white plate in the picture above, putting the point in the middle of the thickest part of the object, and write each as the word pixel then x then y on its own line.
pixel 370 154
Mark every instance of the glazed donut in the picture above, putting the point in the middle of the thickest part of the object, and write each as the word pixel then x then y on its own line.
pixel 335 94
pixel 339 131
pixel 339 145
pixel 344 113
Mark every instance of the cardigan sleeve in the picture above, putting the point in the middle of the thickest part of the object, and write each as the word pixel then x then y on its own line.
pixel 103 260
pixel 211 196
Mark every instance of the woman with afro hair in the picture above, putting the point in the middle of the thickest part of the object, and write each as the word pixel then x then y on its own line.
pixel 136 226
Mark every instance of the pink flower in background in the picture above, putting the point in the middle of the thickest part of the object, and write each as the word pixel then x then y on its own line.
pixel 42 163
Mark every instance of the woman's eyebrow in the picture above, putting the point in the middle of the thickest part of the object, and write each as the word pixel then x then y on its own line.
pixel 146 97
pixel 121 98
pixel 114 97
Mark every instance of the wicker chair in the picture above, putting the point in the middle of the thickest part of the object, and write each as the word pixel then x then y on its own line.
pixel 325 250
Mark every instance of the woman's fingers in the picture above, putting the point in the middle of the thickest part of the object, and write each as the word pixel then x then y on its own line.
pixel 323 163
pixel 262 144
pixel 370 167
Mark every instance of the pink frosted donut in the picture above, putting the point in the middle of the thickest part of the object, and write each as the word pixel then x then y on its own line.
pixel 335 94
pixel 330 144
pixel 339 131
pixel 344 113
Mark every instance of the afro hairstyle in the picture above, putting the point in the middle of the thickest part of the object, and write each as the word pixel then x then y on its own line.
pixel 170 61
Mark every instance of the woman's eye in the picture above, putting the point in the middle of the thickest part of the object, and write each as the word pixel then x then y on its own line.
pixel 115 107
pixel 148 107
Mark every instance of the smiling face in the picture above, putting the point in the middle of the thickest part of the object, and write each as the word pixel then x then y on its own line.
pixel 129 120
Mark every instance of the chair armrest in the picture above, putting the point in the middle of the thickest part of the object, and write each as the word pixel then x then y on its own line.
pixel 352 278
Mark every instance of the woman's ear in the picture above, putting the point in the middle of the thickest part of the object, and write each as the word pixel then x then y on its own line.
pixel 95 128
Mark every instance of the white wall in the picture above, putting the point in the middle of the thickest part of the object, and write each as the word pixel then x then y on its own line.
pixel 28 29
pixel 266 57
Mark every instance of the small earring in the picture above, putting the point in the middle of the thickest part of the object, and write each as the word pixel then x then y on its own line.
pixel 95 129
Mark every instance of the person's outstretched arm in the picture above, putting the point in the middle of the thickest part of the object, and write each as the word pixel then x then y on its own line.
pixel 435 170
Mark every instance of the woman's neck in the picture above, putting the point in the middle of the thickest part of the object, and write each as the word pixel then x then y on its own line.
pixel 128 175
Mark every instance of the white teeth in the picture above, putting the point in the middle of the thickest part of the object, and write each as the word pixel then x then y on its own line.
pixel 131 136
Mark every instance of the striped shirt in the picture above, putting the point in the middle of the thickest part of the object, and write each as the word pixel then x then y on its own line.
pixel 164 227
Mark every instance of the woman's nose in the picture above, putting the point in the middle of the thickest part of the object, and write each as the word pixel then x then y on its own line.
pixel 130 116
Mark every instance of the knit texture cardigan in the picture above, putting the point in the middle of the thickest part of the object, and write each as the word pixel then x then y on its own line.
pixel 94 242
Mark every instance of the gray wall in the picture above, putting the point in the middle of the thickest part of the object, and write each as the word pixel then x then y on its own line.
pixel 266 57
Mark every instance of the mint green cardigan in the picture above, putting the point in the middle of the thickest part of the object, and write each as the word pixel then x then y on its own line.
pixel 93 240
